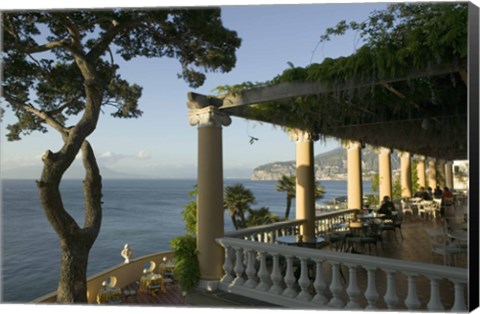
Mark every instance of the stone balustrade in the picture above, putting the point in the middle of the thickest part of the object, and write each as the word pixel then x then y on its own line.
pixel 297 277
pixel 268 233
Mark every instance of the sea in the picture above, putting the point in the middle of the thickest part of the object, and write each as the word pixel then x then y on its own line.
pixel 145 213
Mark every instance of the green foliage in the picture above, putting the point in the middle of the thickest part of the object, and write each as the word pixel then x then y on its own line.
pixel 396 41
pixel 260 217
pixel 185 247
pixel 238 199
pixel 374 198
pixel 414 172
pixel 288 184
pixel 48 56
pixel 187 270
pixel 396 189
pixel 189 214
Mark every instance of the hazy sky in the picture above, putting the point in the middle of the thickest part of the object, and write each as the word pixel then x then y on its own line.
pixel 162 143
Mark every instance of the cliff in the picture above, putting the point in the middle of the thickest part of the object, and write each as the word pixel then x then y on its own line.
pixel 331 165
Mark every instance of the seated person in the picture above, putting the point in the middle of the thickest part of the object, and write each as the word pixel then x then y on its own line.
pixel 438 192
pixel 387 207
pixel 447 197
pixel 423 194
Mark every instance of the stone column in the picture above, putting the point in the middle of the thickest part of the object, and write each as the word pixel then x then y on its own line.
pixel 354 175
pixel 449 175
pixel 432 173
pixel 405 174
pixel 441 174
pixel 421 171
pixel 305 183
pixel 210 191
pixel 384 173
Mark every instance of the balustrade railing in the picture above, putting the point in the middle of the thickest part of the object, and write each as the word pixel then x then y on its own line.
pixel 268 233
pixel 297 277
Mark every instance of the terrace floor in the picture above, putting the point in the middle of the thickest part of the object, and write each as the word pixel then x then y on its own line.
pixel 413 247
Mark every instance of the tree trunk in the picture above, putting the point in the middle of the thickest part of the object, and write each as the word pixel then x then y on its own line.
pixel 289 205
pixel 75 242
pixel 72 287
pixel 234 221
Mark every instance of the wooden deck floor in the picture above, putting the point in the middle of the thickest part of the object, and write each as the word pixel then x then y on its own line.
pixel 413 247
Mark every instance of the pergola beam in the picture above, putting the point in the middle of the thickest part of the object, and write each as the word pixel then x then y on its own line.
pixel 295 89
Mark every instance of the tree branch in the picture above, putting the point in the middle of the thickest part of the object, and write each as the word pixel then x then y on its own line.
pixel 102 44
pixel 48 119
pixel 92 189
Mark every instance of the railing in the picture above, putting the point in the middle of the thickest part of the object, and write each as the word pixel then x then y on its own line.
pixel 125 274
pixel 268 233
pixel 324 221
pixel 267 272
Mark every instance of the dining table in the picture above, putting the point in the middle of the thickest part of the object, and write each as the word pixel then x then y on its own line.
pixel 109 295
pixel 460 235
pixel 150 281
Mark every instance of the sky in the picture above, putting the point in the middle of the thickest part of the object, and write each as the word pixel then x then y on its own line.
pixel 161 143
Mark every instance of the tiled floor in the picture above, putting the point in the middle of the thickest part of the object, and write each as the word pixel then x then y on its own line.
pixel 413 247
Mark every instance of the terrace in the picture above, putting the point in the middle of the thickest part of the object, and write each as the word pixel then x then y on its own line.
pixel 402 274
pixel 359 101
pixel 390 112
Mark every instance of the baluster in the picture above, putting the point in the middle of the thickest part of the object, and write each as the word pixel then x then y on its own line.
pixel 412 301
pixel 290 279
pixel 303 281
pixel 459 303
pixel 227 266
pixel 319 284
pixel 271 238
pixel 336 287
pixel 435 304
pixel 276 276
pixel 352 290
pixel 250 271
pixel 391 297
pixel 371 293
pixel 263 273
pixel 238 281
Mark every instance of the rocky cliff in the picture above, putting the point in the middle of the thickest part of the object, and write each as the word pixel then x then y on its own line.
pixel 331 165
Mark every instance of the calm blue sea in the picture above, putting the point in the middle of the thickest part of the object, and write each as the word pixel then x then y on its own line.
pixel 144 213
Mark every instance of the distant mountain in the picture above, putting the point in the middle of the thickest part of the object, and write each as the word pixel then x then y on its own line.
pixel 74 172
pixel 331 165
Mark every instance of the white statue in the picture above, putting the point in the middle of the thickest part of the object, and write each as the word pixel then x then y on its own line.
pixel 126 253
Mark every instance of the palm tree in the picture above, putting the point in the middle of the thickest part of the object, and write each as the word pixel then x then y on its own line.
pixel 288 184
pixel 237 200
pixel 260 217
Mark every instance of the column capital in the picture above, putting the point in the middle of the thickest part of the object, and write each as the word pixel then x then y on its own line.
pixel 303 136
pixel 383 150
pixel 208 117
pixel 402 153
pixel 352 145
pixel 419 157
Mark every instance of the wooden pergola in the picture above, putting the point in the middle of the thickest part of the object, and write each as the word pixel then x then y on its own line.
pixel 437 130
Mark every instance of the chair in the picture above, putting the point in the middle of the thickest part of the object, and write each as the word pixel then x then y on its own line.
pixel 437 204
pixel 425 209
pixel 406 207
pixel 166 269
pixel 440 245
pixel 388 225
pixel 361 236
pixel 398 221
